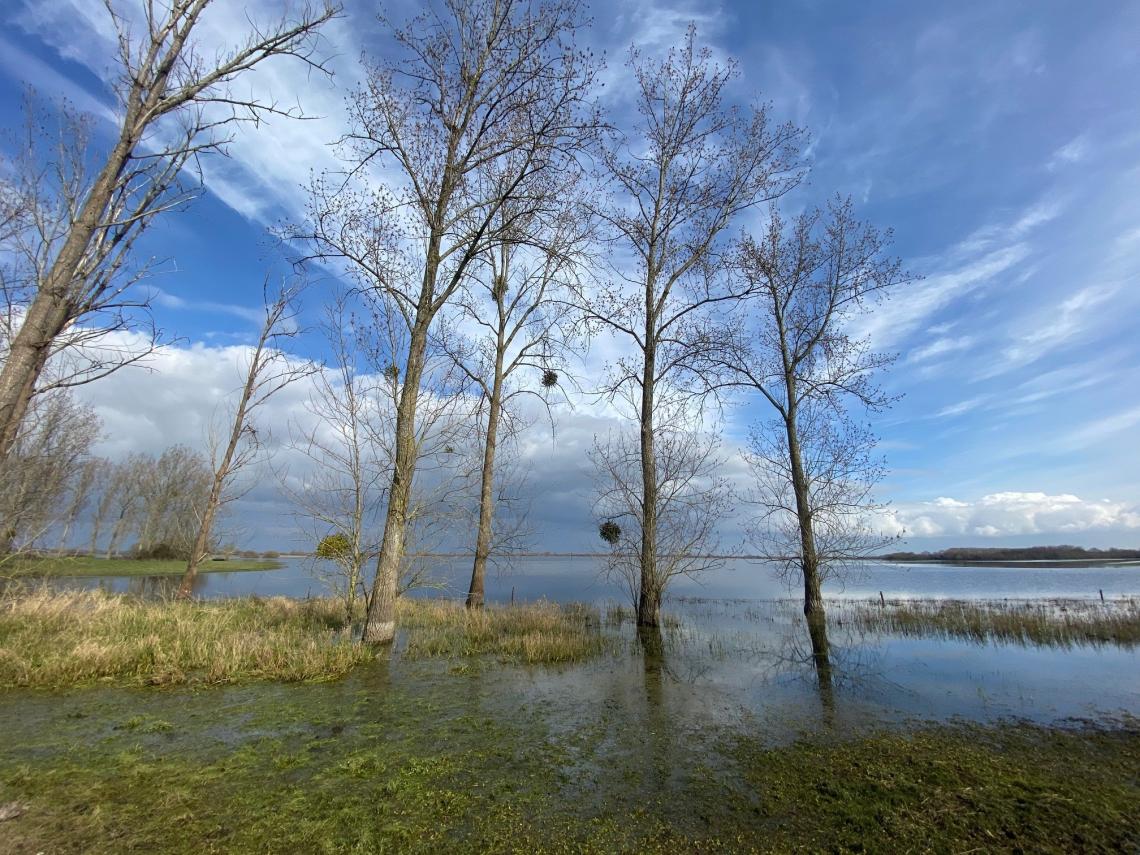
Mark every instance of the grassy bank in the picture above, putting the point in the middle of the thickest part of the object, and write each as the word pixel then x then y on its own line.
pixel 1060 624
pixel 57 639
pixel 91 566
pixel 69 638
pixel 466 782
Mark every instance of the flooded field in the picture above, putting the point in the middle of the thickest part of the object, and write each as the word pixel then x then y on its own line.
pixel 692 738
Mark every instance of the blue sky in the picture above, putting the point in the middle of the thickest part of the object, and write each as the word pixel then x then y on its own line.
pixel 1000 141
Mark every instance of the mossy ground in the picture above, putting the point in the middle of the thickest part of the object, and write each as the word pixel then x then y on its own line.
pixel 434 765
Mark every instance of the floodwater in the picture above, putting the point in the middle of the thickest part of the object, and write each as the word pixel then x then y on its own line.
pixel 564 579
pixel 737 649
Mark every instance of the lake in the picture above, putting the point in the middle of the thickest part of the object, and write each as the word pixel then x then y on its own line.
pixel 741 649
pixel 564 579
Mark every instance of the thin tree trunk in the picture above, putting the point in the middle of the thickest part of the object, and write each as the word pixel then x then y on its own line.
pixel 821 662
pixel 809 558
pixel 222 471
pixel 380 624
pixel 475 591
pixel 649 596
pixel 202 538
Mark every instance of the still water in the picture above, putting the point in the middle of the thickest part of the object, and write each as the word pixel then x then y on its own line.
pixel 738 650
pixel 563 579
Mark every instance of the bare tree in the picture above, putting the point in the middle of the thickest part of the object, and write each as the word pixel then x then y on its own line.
pixel 344 469
pixel 84 488
pixel 123 498
pixel 689 168
pixel 479 103
pixel 524 327
pixel 270 370
pixel 175 103
pixel 171 490
pixel 691 500
pixel 48 455
pixel 814 463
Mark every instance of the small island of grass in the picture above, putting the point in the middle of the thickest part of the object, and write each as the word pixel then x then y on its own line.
pixel 87 565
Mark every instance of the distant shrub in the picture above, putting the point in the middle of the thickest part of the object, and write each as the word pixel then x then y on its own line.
pixel 161 552
pixel 271 553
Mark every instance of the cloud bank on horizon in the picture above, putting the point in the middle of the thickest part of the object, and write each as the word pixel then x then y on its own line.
pixel 1003 147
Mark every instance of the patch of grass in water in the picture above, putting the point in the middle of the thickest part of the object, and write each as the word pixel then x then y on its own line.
pixel 533 633
pixel 1053 624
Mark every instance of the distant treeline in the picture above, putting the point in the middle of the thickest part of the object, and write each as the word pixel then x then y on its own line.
pixel 1027 553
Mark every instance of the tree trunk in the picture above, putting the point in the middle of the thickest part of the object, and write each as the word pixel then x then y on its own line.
pixel 380 624
pixel 649 594
pixel 202 539
pixel 475 591
pixel 51 309
pixel 821 662
pixel 809 558
pixel 47 317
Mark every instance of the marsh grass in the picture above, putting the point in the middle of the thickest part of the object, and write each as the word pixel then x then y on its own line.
pixel 1051 624
pixel 532 633
pixel 74 566
pixel 54 639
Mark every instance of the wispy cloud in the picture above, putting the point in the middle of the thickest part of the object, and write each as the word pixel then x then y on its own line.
pixel 169 301
pixel 1102 428
pixel 961 407
pixel 941 347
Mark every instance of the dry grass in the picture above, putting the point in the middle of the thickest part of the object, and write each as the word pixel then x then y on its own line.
pixel 1055 624
pixel 53 639
pixel 532 633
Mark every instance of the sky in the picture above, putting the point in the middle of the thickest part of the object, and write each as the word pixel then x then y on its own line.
pixel 1000 142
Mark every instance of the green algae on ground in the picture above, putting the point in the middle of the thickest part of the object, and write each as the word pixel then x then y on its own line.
pixel 431 762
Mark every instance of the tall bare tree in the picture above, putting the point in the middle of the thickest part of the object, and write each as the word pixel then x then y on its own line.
pixel 690 166
pixel 691 500
pixel 479 103
pixel 270 370
pixel 83 489
pixel 175 103
pixel 46 461
pixel 815 470
pixel 171 490
pixel 516 301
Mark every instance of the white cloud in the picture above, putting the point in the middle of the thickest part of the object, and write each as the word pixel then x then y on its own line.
pixel 1014 513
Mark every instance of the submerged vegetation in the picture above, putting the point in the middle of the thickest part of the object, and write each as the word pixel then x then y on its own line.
pixel 1055 624
pixel 359 772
